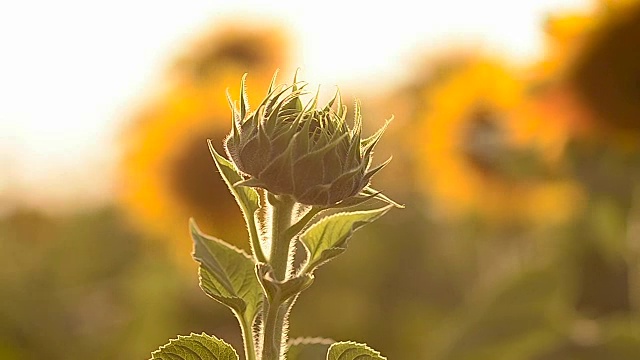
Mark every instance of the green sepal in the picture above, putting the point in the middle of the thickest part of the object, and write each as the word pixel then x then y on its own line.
pixel 378 195
pixel 227 274
pixel 305 348
pixel 328 237
pixel 314 101
pixel 349 350
pixel 272 84
pixel 235 119
pixel 250 182
pixel 341 109
pixel 297 103
pixel 244 102
pixel 329 105
pixel 272 111
pixel 195 347
pixel 370 173
pixel 369 143
pixel 357 128
pixel 353 201
pixel 281 168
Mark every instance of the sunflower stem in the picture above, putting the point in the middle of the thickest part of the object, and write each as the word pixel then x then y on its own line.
pixel 247 337
pixel 281 219
pixel 254 238
pixel 275 310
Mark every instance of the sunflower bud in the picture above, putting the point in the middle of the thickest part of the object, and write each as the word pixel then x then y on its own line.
pixel 306 152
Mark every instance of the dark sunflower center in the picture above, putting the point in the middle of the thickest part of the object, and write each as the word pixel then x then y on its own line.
pixel 246 53
pixel 487 148
pixel 483 140
pixel 607 74
pixel 194 180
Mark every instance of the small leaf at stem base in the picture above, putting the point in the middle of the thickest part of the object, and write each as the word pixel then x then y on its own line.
pixel 195 347
pixel 349 350
pixel 308 348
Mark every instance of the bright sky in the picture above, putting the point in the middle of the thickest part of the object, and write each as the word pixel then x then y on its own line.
pixel 71 70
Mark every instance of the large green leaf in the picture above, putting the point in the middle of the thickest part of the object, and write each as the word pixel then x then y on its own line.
pixel 195 347
pixel 328 237
pixel 349 350
pixel 227 274
pixel 308 348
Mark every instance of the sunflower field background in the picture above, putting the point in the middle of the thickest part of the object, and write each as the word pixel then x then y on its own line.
pixel 520 238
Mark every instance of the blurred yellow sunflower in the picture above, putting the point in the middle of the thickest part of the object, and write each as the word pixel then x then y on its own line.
pixel 234 48
pixel 406 102
pixel 593 61
pixel 167 174
pixel 482 148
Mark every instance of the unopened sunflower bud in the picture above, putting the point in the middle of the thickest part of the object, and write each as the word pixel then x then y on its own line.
pixel 307 152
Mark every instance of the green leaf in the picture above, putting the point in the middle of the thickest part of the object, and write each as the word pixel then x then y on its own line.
pixel 308 348
pixel 227 274
pixel 349 350
pixel 328 237
pixel 247 197
pixel 195 347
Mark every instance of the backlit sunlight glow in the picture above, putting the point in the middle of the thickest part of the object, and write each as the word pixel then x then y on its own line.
pixel 72 71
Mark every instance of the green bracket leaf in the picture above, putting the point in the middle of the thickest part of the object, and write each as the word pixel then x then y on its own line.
pixel 328 238
pixel 247 198
pixel 227 274
pixel 308 348
pixel 349 350
pixel 281 290
pixel 195 347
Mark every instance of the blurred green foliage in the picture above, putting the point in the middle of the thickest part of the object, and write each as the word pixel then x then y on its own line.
pixel 86 286
pixel 75 286
pixel 413 286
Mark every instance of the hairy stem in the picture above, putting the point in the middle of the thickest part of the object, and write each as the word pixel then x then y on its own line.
pixel 254 239
pixel 274 309
pixel 281 217
pixel 300 224
pixel 272 337
pixel 247 337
